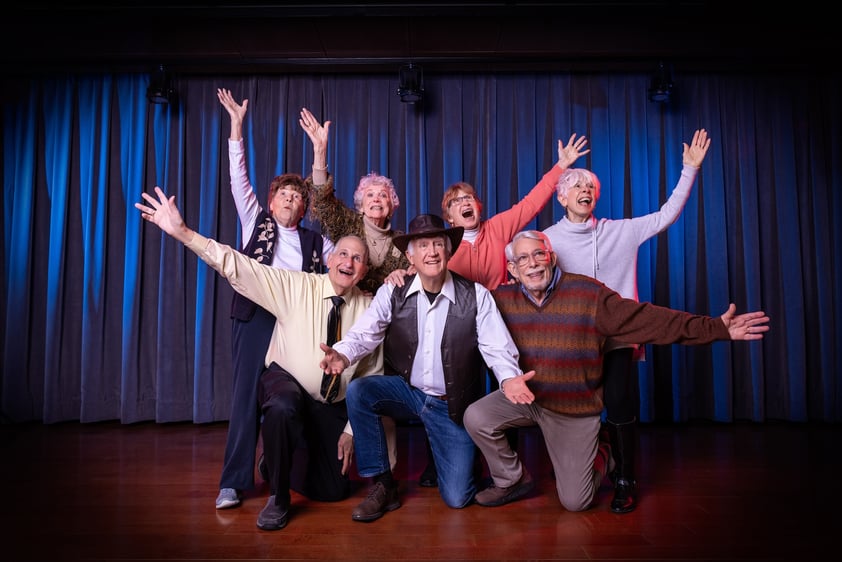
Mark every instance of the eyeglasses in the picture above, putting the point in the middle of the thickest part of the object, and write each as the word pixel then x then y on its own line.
pixel 461 199
pixel 539 256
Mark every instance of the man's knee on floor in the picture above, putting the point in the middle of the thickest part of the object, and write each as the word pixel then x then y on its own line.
pixel 575 502
pixel 457 501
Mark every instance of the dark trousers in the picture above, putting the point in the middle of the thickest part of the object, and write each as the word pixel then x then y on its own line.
pixel 620 387
pixel 249 341
pixel 300 438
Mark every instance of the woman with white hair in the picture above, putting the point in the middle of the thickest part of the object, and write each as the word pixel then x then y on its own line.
pixel 607 250
pixel 375 201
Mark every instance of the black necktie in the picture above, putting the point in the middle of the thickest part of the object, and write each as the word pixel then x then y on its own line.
pixel 330 383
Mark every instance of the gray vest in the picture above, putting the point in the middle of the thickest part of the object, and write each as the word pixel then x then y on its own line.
pixel 461 360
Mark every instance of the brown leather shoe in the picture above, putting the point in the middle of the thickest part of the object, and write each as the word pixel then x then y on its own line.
pixel 494 496
pixel 380 500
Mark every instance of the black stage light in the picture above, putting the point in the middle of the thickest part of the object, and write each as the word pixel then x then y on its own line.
pixel 160 88
pixel 660 89
pixel 411 83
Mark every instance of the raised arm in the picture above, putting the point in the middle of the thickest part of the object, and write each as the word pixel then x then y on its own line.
pixel 267 286
pixel 165 214
pixel 504 225
pixel 318 134
pixel 236 111
pixel 647 226
pixel 569 153
pixel 695 152
pixel 245 198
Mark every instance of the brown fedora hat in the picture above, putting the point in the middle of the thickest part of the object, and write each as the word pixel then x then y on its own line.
pixel 426 226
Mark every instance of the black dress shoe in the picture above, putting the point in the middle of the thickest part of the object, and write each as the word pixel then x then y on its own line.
pixel 272 517
pixel 625 496
pixel 429 478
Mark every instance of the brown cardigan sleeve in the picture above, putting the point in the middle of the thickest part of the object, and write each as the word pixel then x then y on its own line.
pixel 336 218
pixel 630 321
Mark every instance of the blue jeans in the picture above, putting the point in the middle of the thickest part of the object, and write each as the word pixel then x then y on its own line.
pixel 370 397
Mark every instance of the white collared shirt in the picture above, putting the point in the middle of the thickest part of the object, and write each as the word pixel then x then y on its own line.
pixel 494 340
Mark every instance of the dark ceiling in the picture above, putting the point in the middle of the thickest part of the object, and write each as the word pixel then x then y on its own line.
pixel 442 36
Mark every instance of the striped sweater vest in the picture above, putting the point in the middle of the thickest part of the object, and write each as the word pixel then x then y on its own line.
pixel 559 340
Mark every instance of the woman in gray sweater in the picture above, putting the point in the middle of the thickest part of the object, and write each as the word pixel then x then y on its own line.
pixel 607 250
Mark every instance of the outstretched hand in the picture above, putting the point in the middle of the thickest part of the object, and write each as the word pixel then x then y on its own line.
pixel 318 133
pixel 516 390
pixel 334 362
pixel 748 326
pixel 165 214
pixel 575 148
pixel 695 152
pixel 235 110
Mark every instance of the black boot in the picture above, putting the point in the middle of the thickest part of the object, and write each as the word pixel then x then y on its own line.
pixel 623 446
pixel 430 477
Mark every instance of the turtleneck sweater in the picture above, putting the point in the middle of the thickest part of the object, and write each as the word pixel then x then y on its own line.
pixel 607 249
pixel 379 240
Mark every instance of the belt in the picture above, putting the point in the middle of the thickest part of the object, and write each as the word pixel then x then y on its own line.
pixel 443 397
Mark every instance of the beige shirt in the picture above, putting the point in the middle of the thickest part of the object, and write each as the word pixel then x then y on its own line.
pixel 300 302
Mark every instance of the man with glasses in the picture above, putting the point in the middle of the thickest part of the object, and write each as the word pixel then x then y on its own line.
pixel 560 322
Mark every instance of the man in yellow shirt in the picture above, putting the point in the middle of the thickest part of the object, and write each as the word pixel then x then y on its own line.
pixel 294 408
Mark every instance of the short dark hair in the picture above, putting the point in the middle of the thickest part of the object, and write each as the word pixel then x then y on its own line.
pixel 290 181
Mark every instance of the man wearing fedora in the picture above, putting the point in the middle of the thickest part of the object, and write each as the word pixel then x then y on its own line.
pixel 433 348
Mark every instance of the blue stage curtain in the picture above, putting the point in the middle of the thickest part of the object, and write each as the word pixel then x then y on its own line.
pixel 105 318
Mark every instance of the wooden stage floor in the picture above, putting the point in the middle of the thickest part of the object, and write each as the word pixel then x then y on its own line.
pixel 116 492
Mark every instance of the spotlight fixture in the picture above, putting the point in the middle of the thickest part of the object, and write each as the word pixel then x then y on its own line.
pixel 160 88
pixel 411 83
pixel 660 89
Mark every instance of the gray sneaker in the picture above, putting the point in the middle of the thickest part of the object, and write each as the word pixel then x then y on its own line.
pixel 494 496
pixel 272 517
pixel 228 497
pixel 380 500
